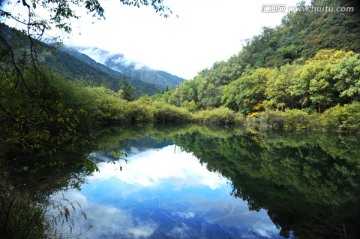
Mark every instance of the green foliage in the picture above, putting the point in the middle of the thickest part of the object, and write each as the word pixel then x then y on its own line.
pixel 108 106
pixel 286 120
pixel 166 113
pixel 272 81
pixel 284 90
pixel 347 74
pixel 126 89
pixel 247 93
pixel 190 106
pixel 300 36
pixel 341 118
pixel 218 116
pixel 52 112
pixel 21 217
pixel 140 111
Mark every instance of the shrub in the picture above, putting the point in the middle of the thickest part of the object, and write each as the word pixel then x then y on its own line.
pixel 287 120
pixel 341 118
pixel 166 113
pixel 190 106
pixel 108 107
pixel 296 119
pixel 239 119
pixel 217 116
pixel 139 112
pixel 352 122
pixel 333 119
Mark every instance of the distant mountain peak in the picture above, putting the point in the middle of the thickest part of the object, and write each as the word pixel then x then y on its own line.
pixel 130 68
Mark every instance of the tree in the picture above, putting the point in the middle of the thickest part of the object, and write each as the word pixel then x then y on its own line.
pixel 126 89
pixel 347 74
pixel 247 94
pixel 283 89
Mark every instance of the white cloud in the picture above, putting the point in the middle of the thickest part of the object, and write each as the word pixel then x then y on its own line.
pixel 154 167
pixel 96 54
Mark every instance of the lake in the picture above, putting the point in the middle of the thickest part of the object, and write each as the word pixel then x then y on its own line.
pixel 199 182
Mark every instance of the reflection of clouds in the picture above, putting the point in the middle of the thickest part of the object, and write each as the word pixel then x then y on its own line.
pixel 265 230
pixel 162 193
pixel 184 214
pixel 153 167
pixel 181 231
pixel 106 221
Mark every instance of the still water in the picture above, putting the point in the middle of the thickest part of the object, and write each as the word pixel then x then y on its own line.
pixel 189 182
pixel 165 192
pixel 197 182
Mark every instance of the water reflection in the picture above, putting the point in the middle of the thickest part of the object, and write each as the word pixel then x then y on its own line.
pixel 308 183
pixel 26 182
pixel 166 193
pixel 190 182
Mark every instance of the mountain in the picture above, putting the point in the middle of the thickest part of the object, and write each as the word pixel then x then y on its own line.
pixel 120 63
pixel 72 64
pixel 75 65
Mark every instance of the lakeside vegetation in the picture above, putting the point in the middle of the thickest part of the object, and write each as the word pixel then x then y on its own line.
pixel 297 76
pixel 282 79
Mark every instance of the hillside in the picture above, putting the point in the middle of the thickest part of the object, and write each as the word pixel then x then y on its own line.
pixel 119 63
pixel 300 37
pixel 74 66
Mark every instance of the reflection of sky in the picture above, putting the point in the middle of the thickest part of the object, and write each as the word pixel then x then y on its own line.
pixel 165 193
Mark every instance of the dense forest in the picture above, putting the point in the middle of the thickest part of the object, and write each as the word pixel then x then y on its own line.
pixel 302 75
pixel 307 66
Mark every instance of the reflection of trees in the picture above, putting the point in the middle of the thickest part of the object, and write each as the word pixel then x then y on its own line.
pixel 25 186
pixel 309 184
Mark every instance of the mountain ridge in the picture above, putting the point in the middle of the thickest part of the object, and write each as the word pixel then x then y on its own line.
pixel 118 62
pixel 75 65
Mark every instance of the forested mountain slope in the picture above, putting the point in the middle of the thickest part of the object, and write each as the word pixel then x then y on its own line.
pixel 266 74
pixel 300 35
pixel 131 69
pixel 79 66
pixel 76 66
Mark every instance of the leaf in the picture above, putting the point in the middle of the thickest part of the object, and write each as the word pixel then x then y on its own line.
pixel 66 214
